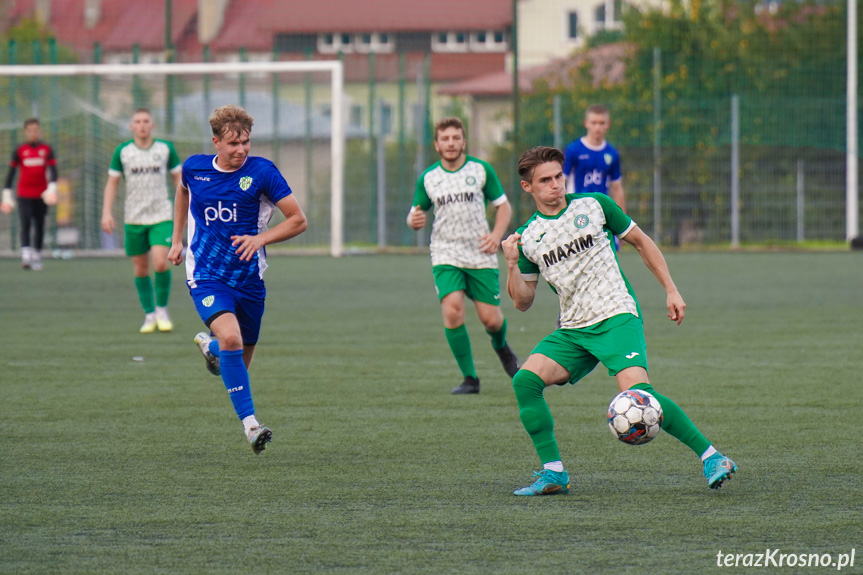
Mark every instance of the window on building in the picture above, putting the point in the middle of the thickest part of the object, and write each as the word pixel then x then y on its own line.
pixel 572 26
pixel 329 43
pixel 607 15
pixel 373 42
pixel 487 41
pixel 386 119
pixel 450 42
pixel 355 118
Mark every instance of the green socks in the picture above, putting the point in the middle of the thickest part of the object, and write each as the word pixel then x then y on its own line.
pixel 676 423
pixel 498 338
pixel 459 343
pixel 535 415
pixel 145 293
pixel 163 287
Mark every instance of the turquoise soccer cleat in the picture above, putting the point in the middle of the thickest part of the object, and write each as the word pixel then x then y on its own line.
pixel 548 482
pixel 718 468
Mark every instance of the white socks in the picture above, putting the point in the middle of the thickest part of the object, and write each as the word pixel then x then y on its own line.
pixel 710 451
pixel 556 466
pixel 250 422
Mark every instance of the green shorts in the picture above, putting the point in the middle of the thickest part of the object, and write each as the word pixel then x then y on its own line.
pixel 140 238
pixel 481 285
pixel 617 342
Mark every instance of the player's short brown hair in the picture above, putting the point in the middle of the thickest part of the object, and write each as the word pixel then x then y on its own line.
pixel 230 119
pixel 596 109
pixel 451 122
pixel 535 156
pixel 30 121
pixel 143 111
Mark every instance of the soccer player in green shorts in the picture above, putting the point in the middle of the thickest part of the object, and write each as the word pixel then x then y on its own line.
pixel 463 249
pixel 144 162
pixel 568 242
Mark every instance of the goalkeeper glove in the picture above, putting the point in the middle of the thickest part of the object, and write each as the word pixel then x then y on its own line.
pixel 49 196
pixel 7 204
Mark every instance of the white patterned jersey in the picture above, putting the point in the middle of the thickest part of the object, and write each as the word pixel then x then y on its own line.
pixel 145 171
pixel 574 253
pixel 459 199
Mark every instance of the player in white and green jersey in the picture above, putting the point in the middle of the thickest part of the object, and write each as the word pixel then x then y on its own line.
pixel 463 248
pixel 144 163
pixel 568 241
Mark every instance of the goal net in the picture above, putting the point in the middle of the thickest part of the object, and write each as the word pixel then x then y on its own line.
pixel 85 112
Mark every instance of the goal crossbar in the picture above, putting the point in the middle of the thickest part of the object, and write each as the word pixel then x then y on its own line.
pixel 334 67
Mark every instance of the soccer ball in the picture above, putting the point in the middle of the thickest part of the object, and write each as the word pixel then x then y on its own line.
pixel 634 416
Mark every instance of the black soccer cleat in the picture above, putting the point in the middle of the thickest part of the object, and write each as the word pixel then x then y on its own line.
pixel 469 385
pixel 508 360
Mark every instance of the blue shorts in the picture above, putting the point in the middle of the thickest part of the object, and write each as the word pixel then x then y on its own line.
pixel 213 299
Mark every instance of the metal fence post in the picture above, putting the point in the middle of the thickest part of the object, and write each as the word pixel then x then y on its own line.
pixel 735 171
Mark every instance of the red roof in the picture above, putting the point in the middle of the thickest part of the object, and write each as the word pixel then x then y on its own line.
pixel 67 21
pixel 301 17
pixel 241 27
pixel 143 23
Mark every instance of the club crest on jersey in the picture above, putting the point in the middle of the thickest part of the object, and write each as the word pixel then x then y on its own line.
pixel 470 180
pixel 245 182
pixel 581 221
pixel 607 158
pixel 208 301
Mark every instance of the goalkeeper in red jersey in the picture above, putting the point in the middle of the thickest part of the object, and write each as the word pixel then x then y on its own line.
pixel 37 189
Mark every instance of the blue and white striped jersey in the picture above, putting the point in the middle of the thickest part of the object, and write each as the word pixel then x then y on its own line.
pixel 223 204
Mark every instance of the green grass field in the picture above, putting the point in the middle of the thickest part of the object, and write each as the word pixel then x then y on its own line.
pixel 110 465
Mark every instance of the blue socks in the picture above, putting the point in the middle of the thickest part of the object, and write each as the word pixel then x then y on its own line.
pixel 236 379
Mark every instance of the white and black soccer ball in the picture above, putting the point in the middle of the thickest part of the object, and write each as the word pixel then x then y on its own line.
pixel 634 416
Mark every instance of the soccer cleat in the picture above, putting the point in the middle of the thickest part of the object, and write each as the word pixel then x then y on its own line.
pixel 508 360
pixel 202 340
pixel 469 385
pixel 718 468
pixel 149 325
pixel 163 320
pixel 548 482
pixel 36 261
pixel 259 436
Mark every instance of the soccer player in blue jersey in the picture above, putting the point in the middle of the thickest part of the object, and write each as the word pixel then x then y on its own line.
pixel 592 165
pixel 227 201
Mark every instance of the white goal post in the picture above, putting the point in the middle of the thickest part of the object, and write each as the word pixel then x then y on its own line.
pixel 337 110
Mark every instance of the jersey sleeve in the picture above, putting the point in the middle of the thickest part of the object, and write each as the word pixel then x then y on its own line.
pixel 492 190
pixel 174 163
pixel 277 187
pixel 421 198
pixel 614 173
pixel 51 159
pixel 528 269
pixel 116 168
pixel 568 165
pixel 615 220
pixel 10 174
pixel 183 180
